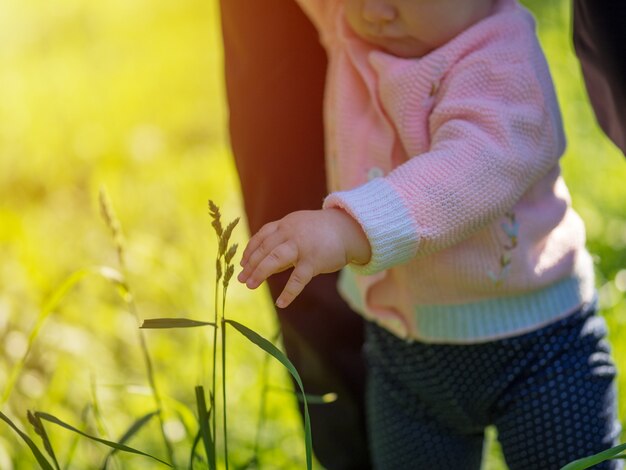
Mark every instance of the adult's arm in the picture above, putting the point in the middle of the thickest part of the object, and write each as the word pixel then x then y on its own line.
pixel 600 43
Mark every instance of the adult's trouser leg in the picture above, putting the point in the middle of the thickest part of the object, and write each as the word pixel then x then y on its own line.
pixel 599 38
pixel 275 71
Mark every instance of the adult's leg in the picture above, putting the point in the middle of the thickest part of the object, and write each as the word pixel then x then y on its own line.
pixel 275 71
pixel 600 42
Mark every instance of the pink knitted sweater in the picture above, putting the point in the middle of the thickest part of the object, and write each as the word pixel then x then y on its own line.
pixel 450 164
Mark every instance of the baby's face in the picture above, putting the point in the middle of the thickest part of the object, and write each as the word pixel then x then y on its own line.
pixel 413 28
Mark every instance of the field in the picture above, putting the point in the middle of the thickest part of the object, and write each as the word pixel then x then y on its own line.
pixel 128 97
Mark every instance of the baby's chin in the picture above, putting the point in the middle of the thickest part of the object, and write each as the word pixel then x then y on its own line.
pixel 402 48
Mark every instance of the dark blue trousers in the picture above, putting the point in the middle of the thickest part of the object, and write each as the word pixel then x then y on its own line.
pixel 550 393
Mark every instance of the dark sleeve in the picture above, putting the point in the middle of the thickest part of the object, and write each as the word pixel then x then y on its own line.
pixel 600 43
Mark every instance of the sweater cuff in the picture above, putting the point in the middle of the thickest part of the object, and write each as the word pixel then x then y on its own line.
pixel 385 220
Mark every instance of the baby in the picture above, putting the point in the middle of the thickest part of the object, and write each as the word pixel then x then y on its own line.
pixel 457 236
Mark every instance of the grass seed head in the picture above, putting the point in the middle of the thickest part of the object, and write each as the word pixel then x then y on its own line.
pixel 222 246
pixel 217 226
pixel 214 212
pixel 230 253
pixel 112 222
pixel 230 228
pixel 218 268
pixel 108 214
pixel 36 424
pixel 225 238
pixel 230 270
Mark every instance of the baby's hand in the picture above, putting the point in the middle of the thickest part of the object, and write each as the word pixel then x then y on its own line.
pixel 314 242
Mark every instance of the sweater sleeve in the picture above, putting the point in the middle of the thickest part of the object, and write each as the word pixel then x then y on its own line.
pixel 495 131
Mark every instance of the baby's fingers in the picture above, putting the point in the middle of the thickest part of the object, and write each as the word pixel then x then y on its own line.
pixel 299 278
pixel 282 257
pixel 257 251
pixel 256 241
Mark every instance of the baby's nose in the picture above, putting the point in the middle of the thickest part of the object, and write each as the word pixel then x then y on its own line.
pixel 378 11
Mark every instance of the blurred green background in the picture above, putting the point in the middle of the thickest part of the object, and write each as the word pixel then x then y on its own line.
pixel 128 95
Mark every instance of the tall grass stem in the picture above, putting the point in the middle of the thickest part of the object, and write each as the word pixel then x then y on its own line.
pixel 214 370
pixel 115 228
pixel 223 325
pixel 152 381
pixel 263 406
pixel 49 306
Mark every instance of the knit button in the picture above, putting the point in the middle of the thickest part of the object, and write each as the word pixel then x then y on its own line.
pixel 374 172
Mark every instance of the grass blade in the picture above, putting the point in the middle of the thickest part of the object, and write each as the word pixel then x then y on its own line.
pixel 269 348
pixel 114 445
pixel 205 429
pixel 156 323
pixel 43 462
pixel 263 404
pixel 317 399
pixel 130 432
pixel 49 306
pixel 95 407
pixel 41 432
pixel 224 388
pixel 187 416
pixel 310 399
pixel 196 441
pixel 74 444
pixel 592 460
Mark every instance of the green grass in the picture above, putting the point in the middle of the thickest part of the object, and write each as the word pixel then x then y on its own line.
pixel 129 95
